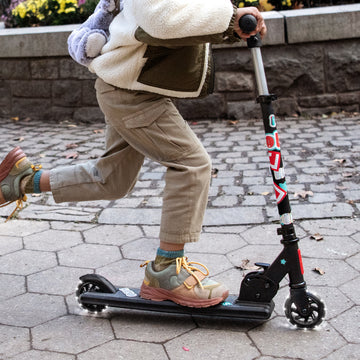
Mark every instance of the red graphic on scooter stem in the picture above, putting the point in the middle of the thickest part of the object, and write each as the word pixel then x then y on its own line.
pixel 280 193
pixel 272 141
pixel 275 157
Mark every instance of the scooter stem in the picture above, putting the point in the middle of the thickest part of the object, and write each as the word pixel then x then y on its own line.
pixel 259 71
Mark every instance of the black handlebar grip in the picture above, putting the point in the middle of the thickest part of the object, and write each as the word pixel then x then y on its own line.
pixel 247 23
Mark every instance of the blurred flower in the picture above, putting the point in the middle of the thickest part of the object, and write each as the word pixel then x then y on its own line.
pixel 48 12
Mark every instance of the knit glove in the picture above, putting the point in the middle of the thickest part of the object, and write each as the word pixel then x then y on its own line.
pixel 85 43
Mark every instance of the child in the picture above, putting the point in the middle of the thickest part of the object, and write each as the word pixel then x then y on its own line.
pixel 152 50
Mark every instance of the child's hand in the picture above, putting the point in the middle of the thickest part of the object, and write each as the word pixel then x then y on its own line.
pixel 260 28
pixel 94 44
pixel 85 43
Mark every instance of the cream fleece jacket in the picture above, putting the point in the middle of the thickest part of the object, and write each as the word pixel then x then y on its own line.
pixel 151 37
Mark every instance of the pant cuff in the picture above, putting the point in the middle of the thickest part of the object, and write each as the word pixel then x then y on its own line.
pixel 54 187
pixel 179 238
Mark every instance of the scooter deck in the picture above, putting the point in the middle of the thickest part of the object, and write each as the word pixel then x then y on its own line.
pixel 130 299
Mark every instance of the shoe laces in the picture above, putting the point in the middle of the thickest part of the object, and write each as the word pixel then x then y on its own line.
pixel 181 262
pixel 20 202
pixel 36 167
pixel 19 206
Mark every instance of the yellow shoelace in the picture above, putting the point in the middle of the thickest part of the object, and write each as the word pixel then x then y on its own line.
pixel 20 202
pixel 188 266
pixel 19 206
pixel 36 167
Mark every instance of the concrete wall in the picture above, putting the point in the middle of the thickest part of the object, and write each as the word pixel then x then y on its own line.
pixel 311 57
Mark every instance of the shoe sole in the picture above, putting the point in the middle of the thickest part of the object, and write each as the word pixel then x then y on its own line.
pixel 157 294
pixel 10 161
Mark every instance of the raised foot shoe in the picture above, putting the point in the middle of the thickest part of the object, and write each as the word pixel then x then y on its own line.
pixel 182 283
pixel 13 169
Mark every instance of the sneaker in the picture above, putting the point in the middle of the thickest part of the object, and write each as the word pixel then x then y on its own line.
pixel 13 169
pixel 182 283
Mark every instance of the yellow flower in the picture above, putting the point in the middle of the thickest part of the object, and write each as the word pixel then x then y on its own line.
pixel 68 10
pixel 41 8
pixel 20 10
pixel 266 6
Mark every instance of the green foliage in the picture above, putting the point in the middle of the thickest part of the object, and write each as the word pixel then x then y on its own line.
pixel 284 4
pixel 245 3
pixel 49 12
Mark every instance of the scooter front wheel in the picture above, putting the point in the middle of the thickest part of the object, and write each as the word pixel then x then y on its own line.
pixel 313 317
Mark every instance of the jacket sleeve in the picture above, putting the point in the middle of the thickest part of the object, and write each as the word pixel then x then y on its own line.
pixel 171 19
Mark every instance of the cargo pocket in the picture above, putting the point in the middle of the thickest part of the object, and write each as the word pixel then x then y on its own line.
pixel 160 132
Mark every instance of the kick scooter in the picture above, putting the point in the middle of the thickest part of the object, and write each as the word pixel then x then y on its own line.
pixel 258 288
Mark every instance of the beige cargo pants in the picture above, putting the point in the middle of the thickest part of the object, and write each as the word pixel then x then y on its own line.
pixel 137 125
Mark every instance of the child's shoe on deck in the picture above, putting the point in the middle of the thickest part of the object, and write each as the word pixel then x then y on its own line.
pixel 16 175
pixel 182 283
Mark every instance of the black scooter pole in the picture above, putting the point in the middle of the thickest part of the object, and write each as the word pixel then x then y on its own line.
pixel 248 23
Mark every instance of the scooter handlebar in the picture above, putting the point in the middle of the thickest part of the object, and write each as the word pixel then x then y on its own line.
pixel 247 23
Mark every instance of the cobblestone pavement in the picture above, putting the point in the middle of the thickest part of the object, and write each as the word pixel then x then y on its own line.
pixel 48 246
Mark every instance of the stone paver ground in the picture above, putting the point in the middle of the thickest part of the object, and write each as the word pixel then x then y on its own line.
pixel 48 246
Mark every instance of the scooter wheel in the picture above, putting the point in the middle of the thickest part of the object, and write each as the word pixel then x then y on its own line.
pixel 90 286
pixel 313 317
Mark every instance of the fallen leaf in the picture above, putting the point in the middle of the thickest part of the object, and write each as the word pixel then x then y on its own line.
pixel 73 155
pixel 71 146
pixel 214 172
pixel 19 139
pixel 319 271
pixel 317 237
pixel 351 202
pixel 98 131
pixel 265 193
pixel 245 265
pixel 340 161
pixel 15 118
pixel 233 122
pixel 303 194
pixel 72 125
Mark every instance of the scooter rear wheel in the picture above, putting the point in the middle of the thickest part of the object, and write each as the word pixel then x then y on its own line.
pixel 90 286
pixel 312 318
